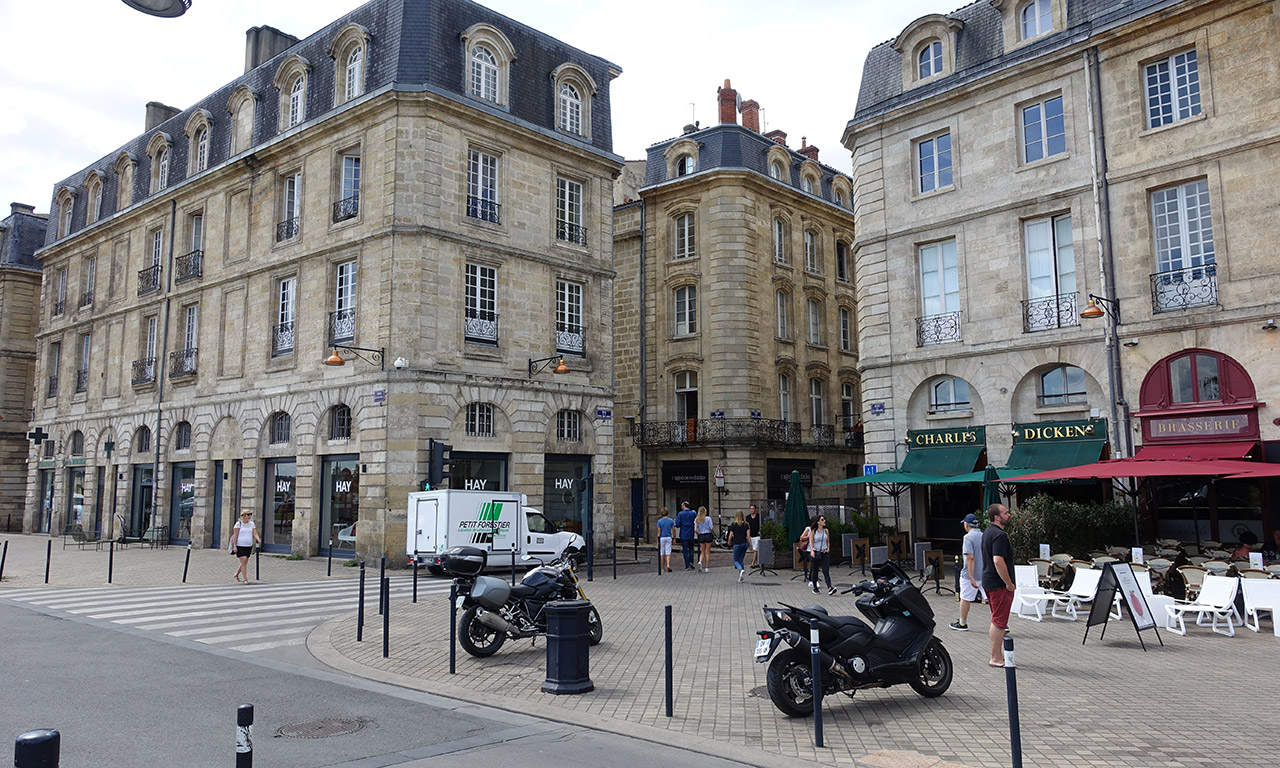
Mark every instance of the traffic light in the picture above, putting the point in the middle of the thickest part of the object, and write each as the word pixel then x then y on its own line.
pixel 437 463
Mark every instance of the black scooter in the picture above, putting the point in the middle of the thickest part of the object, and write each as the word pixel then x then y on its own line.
pixel 852 655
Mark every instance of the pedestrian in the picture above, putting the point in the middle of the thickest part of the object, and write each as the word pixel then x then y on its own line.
pixel 997 563
pixel 244 535
pixel 971 590
pixel 802 549
pixel 740 539
pixel 820 553
pixel 702 523
pixel 688 539
pixel 665 526
pixel 753 532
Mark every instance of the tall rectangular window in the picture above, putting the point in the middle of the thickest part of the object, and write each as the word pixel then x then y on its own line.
pixel 812 254
pixel 1183 226
pixel 290 207
pixel 149 344
pixel 60 297
pixel 82 370
pixel 569 227
pixel 780 241
pixel 1051 273
pixel 782 301
pixel 157 246
pixel 784 397
pixel 1044 130
pixel 842 262
pixel 482 186
pixel 191 327
pixel 55 367
pixel 569 317
pixel 90 280
pixel 348 204
pixel 196 225
pixel 685 246
pixel 814 313
pixel 817 406
pixel 939 279
pixel 342 325
pixel 482 304
pixel 686 310
pixel 846 331
pixel 1172 88
pixel 933 162
pixel 282 341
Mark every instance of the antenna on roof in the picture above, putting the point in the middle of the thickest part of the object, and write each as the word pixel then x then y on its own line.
pixel 693 111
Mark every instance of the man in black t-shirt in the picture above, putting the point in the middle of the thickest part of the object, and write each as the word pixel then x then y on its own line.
pixel 753 531
pixel 997 579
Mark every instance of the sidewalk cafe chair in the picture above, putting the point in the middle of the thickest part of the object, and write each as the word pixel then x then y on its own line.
pixel 1082 565
pixel 1197 559
pixel 1098 562
pixel 1140 567
pixel 1253 573
pixel 1217 598
pixel 1160 572
pixel 1097 553
pixel 1120 553
pixel 1260 597
pixel 1044 571
pixel 1026 579
pixel 1168 543
pixel 1273 569
pixel 1216 567
pixel 1083 589
pixel 1207 544
pixel 1155 602
pixel 1193 576
pixel 1219 554
pixel 1169 552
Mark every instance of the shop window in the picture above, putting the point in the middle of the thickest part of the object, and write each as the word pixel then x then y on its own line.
pixel 1063 385
pixel 1196 376
pixel 949 394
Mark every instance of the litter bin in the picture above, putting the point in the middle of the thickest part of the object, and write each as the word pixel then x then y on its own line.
pixel 568 648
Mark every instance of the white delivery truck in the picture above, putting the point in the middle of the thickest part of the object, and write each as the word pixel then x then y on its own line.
pixel 495 521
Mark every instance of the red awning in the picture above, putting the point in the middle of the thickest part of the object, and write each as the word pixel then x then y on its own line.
pixel 1196 451
pixel 1136 467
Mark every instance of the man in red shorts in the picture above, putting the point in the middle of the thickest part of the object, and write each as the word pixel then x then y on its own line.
pixel 997 565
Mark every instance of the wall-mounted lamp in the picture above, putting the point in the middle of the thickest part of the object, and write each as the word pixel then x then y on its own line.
pixel 1130 342
pixel 538 366
pixel 1108 306
pixel 1270 325
pixel 375 355
pixel 401 363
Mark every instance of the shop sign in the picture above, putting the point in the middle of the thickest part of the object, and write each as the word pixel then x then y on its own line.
pixel 684 473
pixel 1223 425
pixel 947 438
pixel 1051 431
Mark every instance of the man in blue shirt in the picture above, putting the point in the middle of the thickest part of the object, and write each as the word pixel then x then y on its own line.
pixel 665 524
pixel 688 539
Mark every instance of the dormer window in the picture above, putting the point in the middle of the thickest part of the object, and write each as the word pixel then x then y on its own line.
pixel 297 104
pixel 484 74
pixel 574 88
pixel 570 109
pixel 354 74
pixel 1036 18
pixel 162 175
pixel 685 165
pixel 775 170
pixel 489 56
pixel 927 48
pixel 930 59
pixel 291 83
pixel 348 51
pixel 158 151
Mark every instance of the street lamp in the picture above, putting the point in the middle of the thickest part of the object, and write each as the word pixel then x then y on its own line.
pixel 537 366
pixel 375 355
pixel 164 8
pixel 1109 306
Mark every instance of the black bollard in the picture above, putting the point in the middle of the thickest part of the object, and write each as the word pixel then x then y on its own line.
pixel 453 628
pixel 48 556
pixel 244 736
pixel 513 563
pixel 37 749
pixel 670 666
pixel 386 616
pixel 360 609
pixel 817 682
pixel 257 564
pixel 111 560
pixel 187 565
pixel 415 577
pixel 1011 687
pixel 568 647
pixel 615 558
pixel 330 573
pixel 382 574
pixel 4 555
pixel 635 551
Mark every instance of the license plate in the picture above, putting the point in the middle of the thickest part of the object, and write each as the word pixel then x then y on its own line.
pixel 460 600
pixel 762 647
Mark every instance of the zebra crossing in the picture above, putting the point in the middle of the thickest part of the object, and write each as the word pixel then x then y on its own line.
pixel 249 619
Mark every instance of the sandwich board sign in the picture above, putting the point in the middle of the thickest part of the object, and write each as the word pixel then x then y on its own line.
pixel 1118 581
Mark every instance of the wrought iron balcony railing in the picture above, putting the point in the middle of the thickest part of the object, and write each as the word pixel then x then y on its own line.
pixel 82 380
pixel 59 307
pixel 188 266
pixel 148 280
pixel 1184 288
pixel 569 339
pixel 182 363
pixel 938 329
pixel 822 434
pixel 346 208
pixel 851 428
pixel 282 339
pixel 571 233
pixel 481 327
pixel 485 210
pixel 86 298
pixel 52 391
pixel 754 432
pixel 1049 313
pixel 342 326
pixel 287 230
pixel 144 371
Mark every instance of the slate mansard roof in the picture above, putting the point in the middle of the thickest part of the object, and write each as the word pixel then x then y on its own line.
pixel 415 45
pixel 979 50
pixel 21 234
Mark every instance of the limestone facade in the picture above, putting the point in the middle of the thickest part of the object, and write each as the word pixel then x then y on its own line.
pixel 21 233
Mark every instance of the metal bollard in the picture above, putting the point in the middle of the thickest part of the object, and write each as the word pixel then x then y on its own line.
pixel 415 577
pixel 1011 687
pixel 48 556
pixel 817 681
pixel 111 560
pixel 382 574
pixel 330 573
pixel 670 665
pixel 513 563
pixel 244 736
pixel 453 628
pixel 37 749
pixel 360 609
pixel 187 565
pixel 568 647
pixel 615 558
pixel 257 564
pixel 4 555
pixel 386 616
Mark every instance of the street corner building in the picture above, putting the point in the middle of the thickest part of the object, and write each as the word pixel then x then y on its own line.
pixel 1061 215
pixel 734 320
pixel 376 236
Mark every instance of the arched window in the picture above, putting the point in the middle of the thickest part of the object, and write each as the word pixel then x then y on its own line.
pixel 354 75
pixel 1062 385
pixel 1195 377
pixel 1036 18
pixel 929 61
pixel 95 199
pixel 142 440
pixel 297 101
pixel 775 170
pixel 839 198
pixel 202 149
pixel 480 420
pixel 784 397
pixel 77 443
pixel 484 74
pixel 162 175
pixel 281 428
pixel 182 436
pixel 949 394
pixel 339 422
pixel 685 165
pixel 807 184
pixel 570 109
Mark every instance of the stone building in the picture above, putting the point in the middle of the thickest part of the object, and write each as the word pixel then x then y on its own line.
pixel 734 321
pixel 418 195
pixel 21 234
pixel 1021 165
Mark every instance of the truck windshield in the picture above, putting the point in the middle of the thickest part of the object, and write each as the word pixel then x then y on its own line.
pixel 540 524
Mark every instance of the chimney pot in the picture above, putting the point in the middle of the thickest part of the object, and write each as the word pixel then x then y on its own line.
pixel 779 137
pixel 808 150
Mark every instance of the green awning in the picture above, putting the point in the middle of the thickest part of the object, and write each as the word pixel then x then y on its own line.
pixel 1055 454
pixel 951 460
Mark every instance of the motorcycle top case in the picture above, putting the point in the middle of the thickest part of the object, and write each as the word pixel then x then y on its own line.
pixel 491 593
pixel 463 561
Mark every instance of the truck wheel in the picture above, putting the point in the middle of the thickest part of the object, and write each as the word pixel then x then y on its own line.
pixel 477 639
pixel 790 683
pixel 935 670
pixel 593 622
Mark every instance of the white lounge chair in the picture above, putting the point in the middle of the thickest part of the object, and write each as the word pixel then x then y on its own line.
pixel 1082 590
pixel 1261 596
pixel 1027 580
pixel 1217 598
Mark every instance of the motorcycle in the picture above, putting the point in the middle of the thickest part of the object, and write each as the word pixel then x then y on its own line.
pixel 495 610
pixel 852 655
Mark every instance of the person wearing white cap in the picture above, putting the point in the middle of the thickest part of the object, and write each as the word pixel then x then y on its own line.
pixel 970 572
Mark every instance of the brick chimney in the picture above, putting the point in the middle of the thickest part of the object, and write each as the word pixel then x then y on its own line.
pixel 157 113
pixel 751 115
pixel 808 150
pixel 728 104
pixel 779 137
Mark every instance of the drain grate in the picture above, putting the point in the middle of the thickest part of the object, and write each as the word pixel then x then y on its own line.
pixel 320 729
pixel 766 584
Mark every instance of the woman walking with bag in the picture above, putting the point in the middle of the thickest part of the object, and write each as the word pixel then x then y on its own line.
pixel 740 539
pixel 243 537
pixel 702 524
pixel 820 554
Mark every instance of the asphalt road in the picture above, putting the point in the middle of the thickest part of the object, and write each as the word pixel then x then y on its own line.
pixel 120 697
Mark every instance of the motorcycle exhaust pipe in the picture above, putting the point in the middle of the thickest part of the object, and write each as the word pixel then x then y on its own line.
pixel 493 621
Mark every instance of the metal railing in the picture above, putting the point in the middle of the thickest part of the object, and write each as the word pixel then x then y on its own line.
pixel 755 432
pixel 182 363
pixel 282 339
pixel 188 266
pixel 569 338
pixel 1050 312
pixel 571 233
pixel 144 371
pixel 53 387
pixel 851 428
pixel 1066 398
pixel 59 307
pixel 148 280
pixel 485 210
pixel 86 298
pixel 1184 288
pixel 82 380
pixel 342 325
pixel 822 434
pixel 287 230
pixel 938 329
pixel 482 327
pixel 346 208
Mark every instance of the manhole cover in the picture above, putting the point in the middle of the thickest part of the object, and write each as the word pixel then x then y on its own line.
pixel 320 729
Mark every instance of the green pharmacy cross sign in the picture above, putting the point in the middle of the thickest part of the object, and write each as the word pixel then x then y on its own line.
pixel 37 436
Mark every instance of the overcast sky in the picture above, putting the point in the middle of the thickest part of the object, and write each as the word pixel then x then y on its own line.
pixel 77 74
